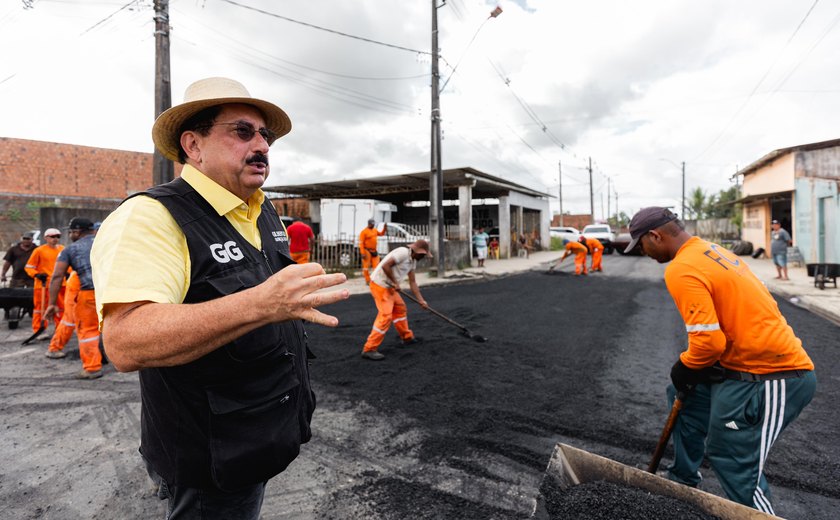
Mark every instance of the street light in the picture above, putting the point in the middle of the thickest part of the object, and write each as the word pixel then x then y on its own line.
pixel 436 228
pixel 682 200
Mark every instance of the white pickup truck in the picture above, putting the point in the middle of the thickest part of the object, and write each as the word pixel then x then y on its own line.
pixel 603 233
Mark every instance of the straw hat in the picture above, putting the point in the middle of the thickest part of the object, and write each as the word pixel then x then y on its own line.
pixel 206 93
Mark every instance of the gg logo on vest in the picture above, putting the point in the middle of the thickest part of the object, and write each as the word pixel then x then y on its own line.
pixel 227 252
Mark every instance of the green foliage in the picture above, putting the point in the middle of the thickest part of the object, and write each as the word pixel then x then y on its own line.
pixel 616 223
pixel 556 244
pixel 14 214
pixel 699 205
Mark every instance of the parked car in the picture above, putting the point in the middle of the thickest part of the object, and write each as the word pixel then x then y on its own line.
pixel 567 233
pixel 603 233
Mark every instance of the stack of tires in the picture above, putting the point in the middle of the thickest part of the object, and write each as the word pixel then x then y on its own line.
pixel 742 247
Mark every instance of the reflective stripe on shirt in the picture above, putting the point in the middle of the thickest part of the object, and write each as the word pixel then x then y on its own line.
pixel 702 327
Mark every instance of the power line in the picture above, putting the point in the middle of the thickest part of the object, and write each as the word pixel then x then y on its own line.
pixel 313 26
pixel 760 81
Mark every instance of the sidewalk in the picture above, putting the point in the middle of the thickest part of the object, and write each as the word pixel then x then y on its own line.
pixel 799 290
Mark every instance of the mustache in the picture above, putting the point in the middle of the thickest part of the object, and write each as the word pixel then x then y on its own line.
pixel 257 158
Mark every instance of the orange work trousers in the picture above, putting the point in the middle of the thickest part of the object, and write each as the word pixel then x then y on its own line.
pixel 580 262
pixel 87 329
pixel 302 257
pixel 369 263
pixel 40 299
pixel 596 260
pixel 65 328
pixel 391 309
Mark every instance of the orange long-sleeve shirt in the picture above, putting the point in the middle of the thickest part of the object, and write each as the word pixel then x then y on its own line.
pixel 593 244
pixel 367 238
pixel 42 260
pixel 729 315
pixel 575 247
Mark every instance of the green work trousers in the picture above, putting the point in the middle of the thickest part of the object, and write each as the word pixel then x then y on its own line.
pixel 735 423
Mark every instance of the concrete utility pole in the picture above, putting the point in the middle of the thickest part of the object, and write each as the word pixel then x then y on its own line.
pixel 436 232
pixel 163 170
pixel 608 198
pixel 682 215
pixel 591 194
pixel 560 189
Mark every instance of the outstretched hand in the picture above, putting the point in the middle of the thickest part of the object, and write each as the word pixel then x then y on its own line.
pixel 297 291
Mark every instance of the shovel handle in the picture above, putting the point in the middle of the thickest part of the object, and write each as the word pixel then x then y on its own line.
pixel 436 313
pixel 666 433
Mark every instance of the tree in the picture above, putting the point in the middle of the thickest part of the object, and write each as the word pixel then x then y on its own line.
pixel 696 204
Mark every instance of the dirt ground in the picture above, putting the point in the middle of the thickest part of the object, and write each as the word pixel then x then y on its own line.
pixel 449 428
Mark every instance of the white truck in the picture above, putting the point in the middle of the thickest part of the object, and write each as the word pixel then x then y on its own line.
pixel 341 220
pixel 603 233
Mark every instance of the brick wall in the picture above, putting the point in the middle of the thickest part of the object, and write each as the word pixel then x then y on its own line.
pixel 38 174
pixel 54 169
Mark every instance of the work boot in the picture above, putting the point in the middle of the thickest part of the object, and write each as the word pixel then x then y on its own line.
pixel 373 355
pixel 55 354
pixel 411 341
pixel 84 374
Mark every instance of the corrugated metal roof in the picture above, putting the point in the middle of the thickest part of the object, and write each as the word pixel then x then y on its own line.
pixel 407 186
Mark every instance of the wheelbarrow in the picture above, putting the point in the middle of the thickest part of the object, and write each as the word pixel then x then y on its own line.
pixel 571 466
pixel 16 303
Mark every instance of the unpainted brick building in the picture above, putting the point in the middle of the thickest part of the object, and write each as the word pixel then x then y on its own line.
pixel 38 175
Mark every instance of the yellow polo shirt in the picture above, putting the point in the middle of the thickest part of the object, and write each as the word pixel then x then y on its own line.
pixel 140 252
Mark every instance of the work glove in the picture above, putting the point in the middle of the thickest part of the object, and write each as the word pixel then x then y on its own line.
pixel 685 379
pixel 42 276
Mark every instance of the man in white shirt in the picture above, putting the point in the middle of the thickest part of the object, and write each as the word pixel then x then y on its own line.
pixel 385 289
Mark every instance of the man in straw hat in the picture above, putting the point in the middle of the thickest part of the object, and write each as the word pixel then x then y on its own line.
pixel 196 290
pixel 385 289
pixel 744 376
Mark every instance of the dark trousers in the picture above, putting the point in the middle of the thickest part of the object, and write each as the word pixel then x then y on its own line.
pixel 187 503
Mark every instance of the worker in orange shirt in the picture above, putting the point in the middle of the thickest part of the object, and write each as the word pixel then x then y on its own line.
pixel 300 241
pixel 40 266
pixel 367 247
pixel 577 249
pixel 65 329
pixel 596 249
pixel 744 376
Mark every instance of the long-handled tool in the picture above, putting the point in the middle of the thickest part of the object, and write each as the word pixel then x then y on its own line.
pixel 464 330
pixel 666 433
pixel 43 326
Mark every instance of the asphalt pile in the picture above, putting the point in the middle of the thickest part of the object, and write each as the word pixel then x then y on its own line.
pixel 599 500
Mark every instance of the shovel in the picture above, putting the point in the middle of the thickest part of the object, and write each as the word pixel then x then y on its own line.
pixel 666 433
pixel 43 326
pixel 464 330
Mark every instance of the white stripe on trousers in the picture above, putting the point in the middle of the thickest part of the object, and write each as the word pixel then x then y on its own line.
pixel 774 419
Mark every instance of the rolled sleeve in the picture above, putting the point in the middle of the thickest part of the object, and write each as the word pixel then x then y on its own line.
pixel 140 254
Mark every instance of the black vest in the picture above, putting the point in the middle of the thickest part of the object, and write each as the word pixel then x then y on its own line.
pixel 238 415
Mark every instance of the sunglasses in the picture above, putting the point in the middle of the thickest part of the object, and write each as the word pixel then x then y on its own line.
pixel 53 236
pixel 245 131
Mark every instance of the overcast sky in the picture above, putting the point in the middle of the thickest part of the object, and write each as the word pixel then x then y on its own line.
pixel 637 86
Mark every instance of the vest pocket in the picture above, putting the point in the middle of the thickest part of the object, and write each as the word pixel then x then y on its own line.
pixel 254 426
pixel 257 343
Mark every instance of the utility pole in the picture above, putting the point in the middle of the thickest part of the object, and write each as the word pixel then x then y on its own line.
pixel 608 198
pixel 163 169
pixel 560 189
pixel 436 177
pixel 682 215
pixel 591 194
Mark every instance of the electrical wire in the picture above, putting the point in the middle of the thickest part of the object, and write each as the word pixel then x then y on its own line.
pixel 757 85
pixel 313 26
